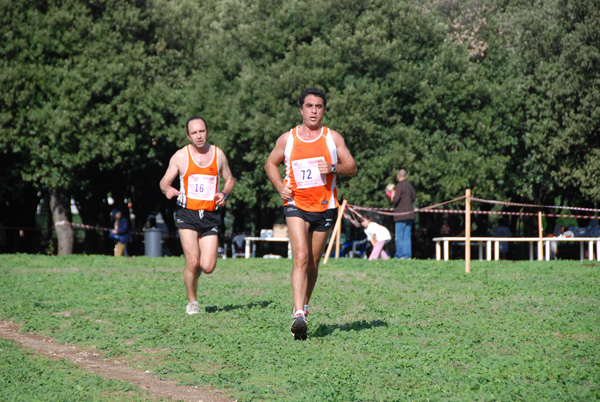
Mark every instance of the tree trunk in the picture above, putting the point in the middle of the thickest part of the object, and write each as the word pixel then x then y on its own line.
pixel 61 211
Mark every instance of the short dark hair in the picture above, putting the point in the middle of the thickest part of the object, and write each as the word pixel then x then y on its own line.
pixel 312 91
pixel 195 117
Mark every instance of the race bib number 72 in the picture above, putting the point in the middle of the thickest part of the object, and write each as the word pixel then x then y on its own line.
pixel 306 172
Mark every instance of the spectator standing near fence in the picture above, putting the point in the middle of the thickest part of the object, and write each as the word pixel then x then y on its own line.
pixel 121 233
pixel 199 198
pixel 402 202
pixel 313 155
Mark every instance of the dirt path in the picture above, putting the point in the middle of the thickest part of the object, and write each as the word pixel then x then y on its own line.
pixel 108 368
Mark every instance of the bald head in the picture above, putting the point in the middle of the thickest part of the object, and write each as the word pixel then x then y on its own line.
pixel 402 175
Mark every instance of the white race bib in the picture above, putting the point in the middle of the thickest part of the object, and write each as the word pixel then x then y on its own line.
pixel 306 172
pixel 202 187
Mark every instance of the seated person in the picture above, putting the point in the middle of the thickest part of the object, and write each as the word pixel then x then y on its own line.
pixel 502 230
pixel 591 230
pixel 237 245
pixel 445 230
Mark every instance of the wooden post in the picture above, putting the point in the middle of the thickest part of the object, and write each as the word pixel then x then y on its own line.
pixel 337 228
pixel 540 235
pixel 468 231
pixel 330 245
pixel 338 239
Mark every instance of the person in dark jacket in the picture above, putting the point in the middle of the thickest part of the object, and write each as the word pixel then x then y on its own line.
pixel 121 233
pixel 402 200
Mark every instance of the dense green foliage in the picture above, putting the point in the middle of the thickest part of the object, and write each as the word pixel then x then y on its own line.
pixel 84 94
pixel 502 97
pixel 378 331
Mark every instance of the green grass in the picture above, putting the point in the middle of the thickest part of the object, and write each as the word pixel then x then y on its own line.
pixel 378 331
pixel 27 378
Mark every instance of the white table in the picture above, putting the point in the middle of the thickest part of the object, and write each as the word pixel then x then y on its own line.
pixel 251 243
pixel 542 242
pixel 487 241
pixel 582 240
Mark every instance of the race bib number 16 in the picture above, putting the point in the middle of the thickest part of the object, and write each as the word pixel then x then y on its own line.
pixel 306 172
pixel 202 187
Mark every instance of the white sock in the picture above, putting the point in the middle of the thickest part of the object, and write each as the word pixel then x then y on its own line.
pixel 299 311
pixel 305 308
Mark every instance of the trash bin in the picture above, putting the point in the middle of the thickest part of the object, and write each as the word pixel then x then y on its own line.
pixel 153 242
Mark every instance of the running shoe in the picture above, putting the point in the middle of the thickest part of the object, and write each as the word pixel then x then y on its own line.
pixel 299 326
pixel 192 308
pixel 305 313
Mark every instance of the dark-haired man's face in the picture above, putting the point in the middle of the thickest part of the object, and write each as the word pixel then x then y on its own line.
pixel 312 111
pixel 197 133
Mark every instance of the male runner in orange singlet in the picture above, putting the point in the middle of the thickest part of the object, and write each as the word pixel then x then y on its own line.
pixel 198 219
pixel 313 156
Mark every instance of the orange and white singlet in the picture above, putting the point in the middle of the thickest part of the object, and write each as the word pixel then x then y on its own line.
pixel 199 184
pixel 311 190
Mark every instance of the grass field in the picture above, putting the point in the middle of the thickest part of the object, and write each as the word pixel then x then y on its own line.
pixel 25 377
pixel 378 331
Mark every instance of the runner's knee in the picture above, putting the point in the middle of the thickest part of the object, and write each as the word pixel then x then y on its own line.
pixel 192 263
pixel 301 258
pixel 208 268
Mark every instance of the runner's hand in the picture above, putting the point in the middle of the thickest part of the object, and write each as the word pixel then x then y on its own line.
pixel 324 167
pixel 220 199
pixel 171 193
pixel 286 192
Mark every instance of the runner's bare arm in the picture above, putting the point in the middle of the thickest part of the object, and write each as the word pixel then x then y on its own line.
pixel 227 177
pixel 346 165
pixel 274 159
pixel 171 174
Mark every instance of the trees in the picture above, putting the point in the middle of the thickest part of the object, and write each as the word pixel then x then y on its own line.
pixel 88 102
pixel 401 93
pixel 553 51
pixel 498 96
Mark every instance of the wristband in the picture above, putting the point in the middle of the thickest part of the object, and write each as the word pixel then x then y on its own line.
pixel 225 195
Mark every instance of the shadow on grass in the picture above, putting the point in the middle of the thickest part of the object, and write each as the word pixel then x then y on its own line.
pixel 229 307
pixel 325 330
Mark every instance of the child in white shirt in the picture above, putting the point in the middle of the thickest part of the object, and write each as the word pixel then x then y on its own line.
pixel 378 235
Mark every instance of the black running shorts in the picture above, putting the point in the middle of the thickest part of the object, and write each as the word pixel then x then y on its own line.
pixel 206 223
pixel 319 221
